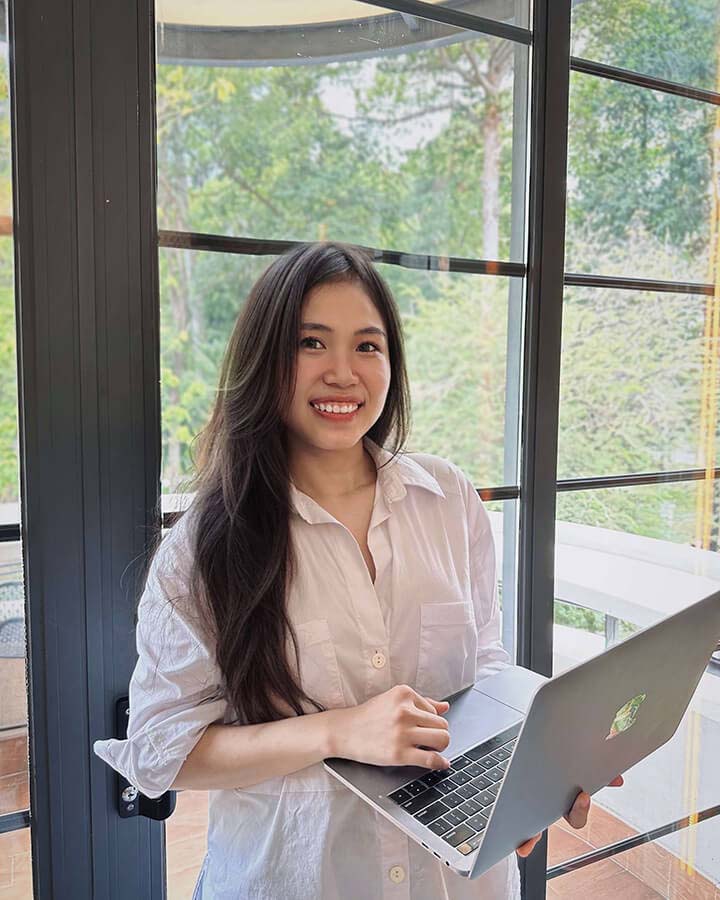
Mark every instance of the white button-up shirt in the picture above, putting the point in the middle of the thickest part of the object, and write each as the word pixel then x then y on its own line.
pixel 430 620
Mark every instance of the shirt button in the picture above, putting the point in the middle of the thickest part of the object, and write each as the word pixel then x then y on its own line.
pixel 379 661
pixel 397 874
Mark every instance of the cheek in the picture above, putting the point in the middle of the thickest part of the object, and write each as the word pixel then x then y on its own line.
pixel 307 375
pixel 380 375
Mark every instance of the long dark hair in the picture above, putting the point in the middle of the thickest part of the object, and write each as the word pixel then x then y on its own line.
pixel 243 559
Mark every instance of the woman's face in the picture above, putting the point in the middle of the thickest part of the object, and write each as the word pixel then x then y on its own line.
pixel 339 364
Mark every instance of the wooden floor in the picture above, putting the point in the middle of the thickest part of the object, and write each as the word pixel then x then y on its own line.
pixel 646 872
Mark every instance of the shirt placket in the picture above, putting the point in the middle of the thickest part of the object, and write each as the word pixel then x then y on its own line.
pixel 376 635
pixel 394 850
pixel 394 860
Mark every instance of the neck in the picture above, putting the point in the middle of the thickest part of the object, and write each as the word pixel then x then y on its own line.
pixel 331 474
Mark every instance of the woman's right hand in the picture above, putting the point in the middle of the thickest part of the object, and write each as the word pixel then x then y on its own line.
pixel 391 728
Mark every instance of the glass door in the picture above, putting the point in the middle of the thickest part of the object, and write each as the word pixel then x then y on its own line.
pixel 402 133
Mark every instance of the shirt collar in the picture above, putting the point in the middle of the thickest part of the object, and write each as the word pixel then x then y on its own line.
pixel 392 480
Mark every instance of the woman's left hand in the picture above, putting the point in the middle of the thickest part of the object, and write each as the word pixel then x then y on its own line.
pixel 577 816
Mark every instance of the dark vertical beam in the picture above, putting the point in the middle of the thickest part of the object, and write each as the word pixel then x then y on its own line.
pixel 548 161
pixel 513 344
pixel 543 330
pixel 82 106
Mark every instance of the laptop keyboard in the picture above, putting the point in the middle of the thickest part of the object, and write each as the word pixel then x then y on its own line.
pixel 456 803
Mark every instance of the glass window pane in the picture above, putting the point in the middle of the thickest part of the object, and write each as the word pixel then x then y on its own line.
pixel 200 297
pixel 676 41
pixel 383 130
pixel 464 387
pixel 463 381
pixel 638 370
pixel 626 558
pixel 666 868
pixel 9 446
pixel 639 185
pixel 504 520
pixel 388 131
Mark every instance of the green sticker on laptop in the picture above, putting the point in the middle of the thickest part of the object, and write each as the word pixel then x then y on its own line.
pixel 625 716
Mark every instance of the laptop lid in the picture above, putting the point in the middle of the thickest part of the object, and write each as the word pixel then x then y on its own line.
pixel 596 720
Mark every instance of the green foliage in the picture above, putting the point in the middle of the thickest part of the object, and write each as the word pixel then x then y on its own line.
pixel 455 346
pixel 9 448
pixel 579 617
pixel 413 151
pixel 641 158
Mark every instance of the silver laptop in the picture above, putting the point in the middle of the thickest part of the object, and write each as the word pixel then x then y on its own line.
pixel 522 746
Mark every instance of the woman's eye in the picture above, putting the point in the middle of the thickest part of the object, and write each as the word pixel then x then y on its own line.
pixel 317 340
pixel 302 342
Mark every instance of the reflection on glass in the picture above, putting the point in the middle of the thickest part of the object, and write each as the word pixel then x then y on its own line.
pixel 635 378
pixel 626 558
pixel 673 41
pixel 455 329
pixel 386 130
pixel 639 185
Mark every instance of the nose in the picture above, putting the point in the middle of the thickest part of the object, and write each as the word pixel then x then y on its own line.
pixel 340 370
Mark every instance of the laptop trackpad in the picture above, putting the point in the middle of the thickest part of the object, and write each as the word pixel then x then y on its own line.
pixel 475 717
pixel 514 686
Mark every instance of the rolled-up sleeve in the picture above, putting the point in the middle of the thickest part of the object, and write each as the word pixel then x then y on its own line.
pixel 175 690
pixel 492 657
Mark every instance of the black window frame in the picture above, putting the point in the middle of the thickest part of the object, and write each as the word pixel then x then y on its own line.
pixel 86 263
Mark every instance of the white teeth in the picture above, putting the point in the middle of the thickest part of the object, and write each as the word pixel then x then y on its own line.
pixel 336 407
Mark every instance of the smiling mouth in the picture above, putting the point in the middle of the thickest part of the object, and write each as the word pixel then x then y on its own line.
pixel 339 416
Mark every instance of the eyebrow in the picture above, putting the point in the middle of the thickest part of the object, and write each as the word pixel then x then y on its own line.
pixel 318 326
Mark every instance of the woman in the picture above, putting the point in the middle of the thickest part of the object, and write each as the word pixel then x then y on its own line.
pixel 317 599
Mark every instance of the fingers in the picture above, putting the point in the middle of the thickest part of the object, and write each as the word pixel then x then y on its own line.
pixel 429 759
pixel 434 738
pixel 527 848
pixel 440 705
pixel 577 817
pixel 424 704
pixel 430 705
pixel 429 720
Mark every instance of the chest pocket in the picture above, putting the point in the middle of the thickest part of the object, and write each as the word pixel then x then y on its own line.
pixel 447 650
pixel 319 673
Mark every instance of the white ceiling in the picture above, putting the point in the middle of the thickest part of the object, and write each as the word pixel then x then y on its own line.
pixel 269 13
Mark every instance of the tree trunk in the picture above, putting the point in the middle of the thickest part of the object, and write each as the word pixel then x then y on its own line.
pixel 491 180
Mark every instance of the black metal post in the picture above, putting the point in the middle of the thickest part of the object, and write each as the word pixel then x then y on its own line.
pixel 82 106
pixel 548 158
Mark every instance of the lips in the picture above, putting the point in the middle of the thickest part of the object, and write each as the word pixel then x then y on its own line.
pixel 336 400
pixel 336 417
